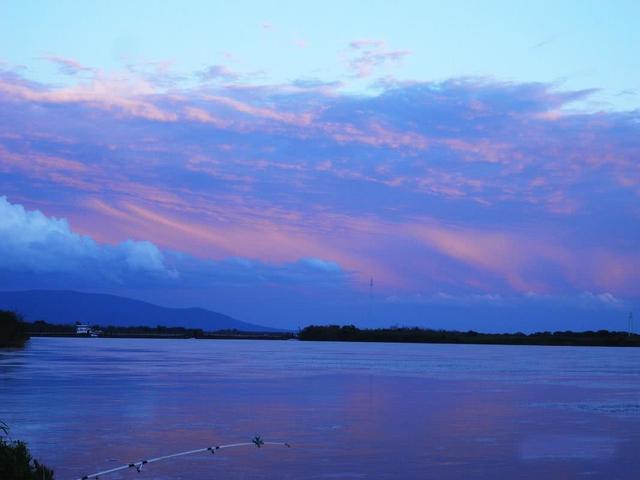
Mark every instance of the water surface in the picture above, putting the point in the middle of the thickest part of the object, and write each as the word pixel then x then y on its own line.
pixel 350 410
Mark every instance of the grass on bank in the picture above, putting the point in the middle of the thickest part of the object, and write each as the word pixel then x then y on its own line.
pixel 16 462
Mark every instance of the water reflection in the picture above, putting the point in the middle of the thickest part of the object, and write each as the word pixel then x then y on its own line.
pixel 350 410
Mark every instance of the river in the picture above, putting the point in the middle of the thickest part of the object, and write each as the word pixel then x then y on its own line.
pixel 349 410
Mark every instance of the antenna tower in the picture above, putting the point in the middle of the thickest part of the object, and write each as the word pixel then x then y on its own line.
pixel 370 300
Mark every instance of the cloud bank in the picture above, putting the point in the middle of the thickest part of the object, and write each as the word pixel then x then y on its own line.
pixel 46 251
pixel 34 243
pixel 467 187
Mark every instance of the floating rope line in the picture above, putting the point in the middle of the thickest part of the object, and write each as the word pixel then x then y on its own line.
pixel 256 441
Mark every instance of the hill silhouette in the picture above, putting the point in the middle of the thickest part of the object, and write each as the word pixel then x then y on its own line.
pixel 66 306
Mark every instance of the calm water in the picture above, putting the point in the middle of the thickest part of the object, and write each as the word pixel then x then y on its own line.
pixel 351 411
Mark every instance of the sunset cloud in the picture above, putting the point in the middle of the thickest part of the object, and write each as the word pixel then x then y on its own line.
pixel 47 251
pixel 469 186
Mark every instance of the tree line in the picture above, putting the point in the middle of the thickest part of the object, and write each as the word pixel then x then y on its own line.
pixel 13 330
pixel 351 333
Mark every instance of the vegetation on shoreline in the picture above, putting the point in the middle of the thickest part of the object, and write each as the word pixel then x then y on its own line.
pixel 350 333
pixel 13 330
pixel 16 462
pixel 41 328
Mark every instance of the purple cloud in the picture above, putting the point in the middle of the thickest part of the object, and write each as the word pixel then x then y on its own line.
pixel 48 252
pixel 372 54
pixel 468 186
pixel 217 72
pixel 68 66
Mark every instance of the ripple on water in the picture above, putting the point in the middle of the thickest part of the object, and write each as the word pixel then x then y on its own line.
pixel 581 447
pixel 609 408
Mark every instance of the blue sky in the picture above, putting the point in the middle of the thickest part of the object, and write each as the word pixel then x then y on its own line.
pixel 479 160
pixel 575 44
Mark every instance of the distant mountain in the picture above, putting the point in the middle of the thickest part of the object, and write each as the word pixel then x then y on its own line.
pixel 63 306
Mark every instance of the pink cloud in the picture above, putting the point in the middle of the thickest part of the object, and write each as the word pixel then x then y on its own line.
pixel 285 172
pixel 202 116
pixel 373 134
pixel 519 258
pixel 54 169
pixel 38 162
pixel 261 112
pixel 484 150
pixel 366 43
pixel 108 94
pixel 270 235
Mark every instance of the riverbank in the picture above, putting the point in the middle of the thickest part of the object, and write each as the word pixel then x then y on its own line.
pixel 203 336
pixel 350 333
pixel 336 333
pixel 13 331
pixel 602 338
pixel 44 329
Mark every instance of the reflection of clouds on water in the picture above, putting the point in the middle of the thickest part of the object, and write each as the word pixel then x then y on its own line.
pixel 330 427
pixel 380 411
pixel 580 447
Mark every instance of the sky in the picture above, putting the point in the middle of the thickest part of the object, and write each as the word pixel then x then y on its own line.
pixel 468 165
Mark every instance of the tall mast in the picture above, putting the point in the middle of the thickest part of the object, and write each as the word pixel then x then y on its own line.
pixel 370 300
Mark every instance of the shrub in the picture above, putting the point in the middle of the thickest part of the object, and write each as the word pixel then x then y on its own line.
pixel 13 331
pixel 16 462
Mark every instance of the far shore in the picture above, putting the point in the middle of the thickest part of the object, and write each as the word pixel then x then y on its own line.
pixel 346 333
pixel 351 333
pixel 204 336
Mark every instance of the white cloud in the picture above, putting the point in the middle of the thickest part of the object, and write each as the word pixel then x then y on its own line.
pixel 320 264
pixel 443 298
pixel 584 300
pixel 33 242
pixel 44 252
